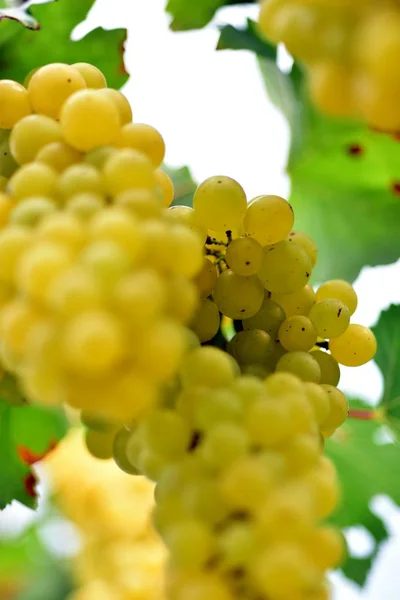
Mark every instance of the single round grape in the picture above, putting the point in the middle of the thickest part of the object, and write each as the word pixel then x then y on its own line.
pixel 99 156
pixel 51 85
pixel 206 279
pixel 8 164
pixel 121 103
pixel 161 350
pixel 140 297
pixel 268 219
pixel 119 452
pixel 206 320
pixel 238 297
pixel 31 134
pixel 116 225
pixel 31 211
pixel 330 371
pixel 126 169
pixel 166 186
pixel 302 239
pixel 296 303
pixel 145 139
pixel 326 547
pixel 187 251
pixel 245 484
pixel 339 290
pixel 301 364
pixel 185 215
pixel 58 156
pixel 220 203
pixel 84 206
pixel 355 347
pixel 141 202
pixel 93 77
pixel 244 256
pixel 285 268
pixel 88 120
pixel 269 318
pixel 80 178
pixel 223 444
pixel 166 433
pixel 14 241
pixel 190 543
pixel 297 333
pixel 207 367
pixel 319 400
pixel 74 291
pixel 330 317
pixel 338 409
pixel 14 103
pixel 252 346
pixel 182 300
pixel 62 229
pixel 34 179
pixel 100 444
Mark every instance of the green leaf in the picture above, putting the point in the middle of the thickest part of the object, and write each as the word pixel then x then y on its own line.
pixel 387 332
pixel 248 38
pixel 19 12
pixel 22 50
pixel 184 185
pixel 192 14
pixel 26 434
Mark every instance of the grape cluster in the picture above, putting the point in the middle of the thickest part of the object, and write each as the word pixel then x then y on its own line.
pixel 351 51
pixel 95 282
pixel 120 556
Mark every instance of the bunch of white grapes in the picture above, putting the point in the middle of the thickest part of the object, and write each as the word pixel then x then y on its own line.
pixel 95 282
pixel 350 49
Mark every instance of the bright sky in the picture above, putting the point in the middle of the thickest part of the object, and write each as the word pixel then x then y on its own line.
pixel 215 117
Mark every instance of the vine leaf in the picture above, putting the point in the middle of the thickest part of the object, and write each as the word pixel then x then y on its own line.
pixel 27 434
pixel 22 50
pixel 248 38
pixel 19 12
pixel 192 15
pixel 184 185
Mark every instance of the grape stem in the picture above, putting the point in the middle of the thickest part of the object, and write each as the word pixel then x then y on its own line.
pixel 363 414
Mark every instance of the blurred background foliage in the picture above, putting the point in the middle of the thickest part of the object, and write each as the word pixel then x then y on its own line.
pixel 345 189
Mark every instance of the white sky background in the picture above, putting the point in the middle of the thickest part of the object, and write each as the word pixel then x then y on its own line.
pixel 213 112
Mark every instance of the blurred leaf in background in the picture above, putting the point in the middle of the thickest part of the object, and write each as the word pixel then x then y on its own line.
pixel 22 50
pixel 184 185
pixel 18 10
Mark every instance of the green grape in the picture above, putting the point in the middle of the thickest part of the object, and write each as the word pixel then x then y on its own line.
pixel 296 303
pixel 244 256
pixel 220 203
pixel 205 280
pixel 281 384
pixel 190 543
pixel 324 487
pixel 302 452
pixel 121 103
pixel 301 239
pixel 338 409
pixel 326 547
pixel 301 364
pixel 117 226
pixel 237 545
pixel 249 389
pixel 93 77
pixel 84 206
pixel 286 267
pixel 206 320
pixel 31 211
pixel 80 178
pixel 245 484
pixel 142 203
pixel 269 318
pixel 58 156
pixel 164 432
pixel 202 499
pixel 88 120
pixel 30 135
pixel 143 138
pixel 268 423
pixel 35 179
pixel 319 400
pixel 96 423
pixel 14 103
pixel 217 406
pixel 185 215
pixel 297 333
pixel 119 452
pixel 8 164
pixel 51 85
pixel 14 240
pixel 165 187
pixel 187 250
pixel 223 444
pixel 100 444
pixel 330 371
pixel 161 350
pixel 252 346
pixel 238 297
pixel 330 317
pixel 339 290
pixel 182 300
pixel 107 262
pixel 355 347
pixel 257 370
pixel 268 219
pixel 287 514
pixel 99 156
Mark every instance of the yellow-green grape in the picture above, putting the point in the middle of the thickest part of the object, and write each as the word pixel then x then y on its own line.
pixel 268 219
pixel 121 103
pixel 206 320
pixel 107 262
pixel 6 206
pixel 58 155
pixel 34 179
pixel 73 292
pixel 287 513
pixel 182 299
pixel 244 256
pixel 246 484
pixel 119 452
pixel 143 203
pixel 330 371
pixel 223 444
pixel 166 433
pixel 3 183
pixel 220 203
pixel 51 85
pixel 330 317
pixel 187 249
pixel 14 240
pixel 339 290
pixel 326 547
pixel 116 225
pixel 92 343
pixel 338 409
pixel 31 211
pixel 31 134
pixel 205 280
pixel 238 297
pixel 355 347
pixel 269 318
pixel 161 350
pixel 301 364
pixel 296 303
pixel 140 297
pixel 297 333
pixel 302 239
pixel 8 164
pixel 190 543
pixel 207 367
pixel 80 178
pixel 252 346
pixel 286 267
pixel 319 400
pixel 14 103
pixel 185 215
pixel 145 139
pixel 99 156
pixel 84 206
pixel 88 120
pixel 96 423
pixel 237 545
pixel 257 370
pixel 100 444
pixel 63 229
pixel 93 77
pixel 127 169
pixel 166 185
